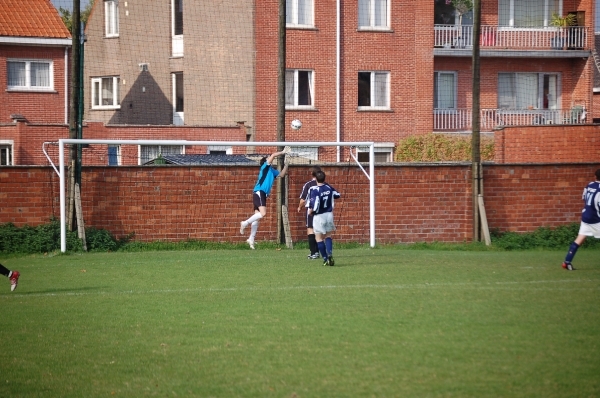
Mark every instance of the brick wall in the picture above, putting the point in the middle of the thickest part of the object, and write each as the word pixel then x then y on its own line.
pixel 548 144
pixel 413 202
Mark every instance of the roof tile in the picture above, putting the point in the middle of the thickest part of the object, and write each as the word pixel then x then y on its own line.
pixel 38 19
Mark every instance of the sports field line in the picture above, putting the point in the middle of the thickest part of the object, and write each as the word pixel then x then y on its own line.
pixel 513 285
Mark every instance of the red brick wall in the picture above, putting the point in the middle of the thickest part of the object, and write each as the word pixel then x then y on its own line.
pixel 550 144
pixel 413 203
pixel 40 107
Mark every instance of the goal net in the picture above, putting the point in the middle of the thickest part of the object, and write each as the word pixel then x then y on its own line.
pixel 177 190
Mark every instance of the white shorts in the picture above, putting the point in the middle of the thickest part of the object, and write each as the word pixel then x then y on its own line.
pixel 323 223
pixel 590 230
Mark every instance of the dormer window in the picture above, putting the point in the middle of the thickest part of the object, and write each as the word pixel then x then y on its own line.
pixel 111 18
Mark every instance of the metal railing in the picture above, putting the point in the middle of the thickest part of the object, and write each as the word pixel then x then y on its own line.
pixel 508 38
pixel 461 120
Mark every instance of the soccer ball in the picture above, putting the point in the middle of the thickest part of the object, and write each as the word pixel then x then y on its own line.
pixel 296 124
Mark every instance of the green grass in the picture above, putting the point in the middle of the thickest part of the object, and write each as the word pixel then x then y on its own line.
pixel 270 323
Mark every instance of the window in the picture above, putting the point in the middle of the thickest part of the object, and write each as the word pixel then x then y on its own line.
pixel 178 99
pixel 114 155
pixel 298 88
pixel 105 92
pixel 111 18
pixel 177 28
pixel 444 90
pixel 299 12
pixel 151 152
pixel 373 14
pixel 373 90
pixel 526 14
pixel 5 154
pixel 528 90
pixel 382 153
pixel 219 150
pixel 30 75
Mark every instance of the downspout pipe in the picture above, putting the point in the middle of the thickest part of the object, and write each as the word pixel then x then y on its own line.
pixel 337 79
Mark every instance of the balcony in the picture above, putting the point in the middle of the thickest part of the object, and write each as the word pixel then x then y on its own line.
pixel 498 41
pixel 460 119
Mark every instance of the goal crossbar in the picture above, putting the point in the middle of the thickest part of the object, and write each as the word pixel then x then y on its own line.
pixel 73 141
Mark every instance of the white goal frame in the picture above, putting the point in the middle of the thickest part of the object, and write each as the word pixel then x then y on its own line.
pixel 66 141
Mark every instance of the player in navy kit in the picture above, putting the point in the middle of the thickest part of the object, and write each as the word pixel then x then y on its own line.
pixel 262 189
pixel 590 219
pixel 303 206
pixel 321 204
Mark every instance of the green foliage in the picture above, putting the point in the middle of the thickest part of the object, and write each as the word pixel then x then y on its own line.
pixel 41 239
pixel 441 148
pixel 544 237
pixel 67 16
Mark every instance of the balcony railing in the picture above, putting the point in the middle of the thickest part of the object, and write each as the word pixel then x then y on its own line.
pixel 461 120
pixel 507 38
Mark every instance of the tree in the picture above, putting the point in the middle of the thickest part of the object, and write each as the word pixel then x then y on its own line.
pixel 67 17
pixel 462 7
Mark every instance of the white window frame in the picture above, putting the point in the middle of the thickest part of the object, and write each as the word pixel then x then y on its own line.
pixel 437 74
pixel 293 12
pixel 97 101
pixel 373 87
pixel 111 18
pixel 172 149
pixel 28 86
pixel 6 152
pixel 371 24
pixel 511 19
pixel 294 93
pixel 118 155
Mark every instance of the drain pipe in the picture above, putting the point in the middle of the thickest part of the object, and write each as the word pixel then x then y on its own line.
pixel 66 85
pixel 337 79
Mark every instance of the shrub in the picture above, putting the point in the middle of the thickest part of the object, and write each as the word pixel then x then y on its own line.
pixel 441 147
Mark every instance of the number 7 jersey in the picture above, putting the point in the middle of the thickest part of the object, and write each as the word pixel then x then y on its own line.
pixel 322 197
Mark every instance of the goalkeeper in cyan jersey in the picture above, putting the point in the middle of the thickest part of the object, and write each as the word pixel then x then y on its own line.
pixel 262 189
pixel 321 204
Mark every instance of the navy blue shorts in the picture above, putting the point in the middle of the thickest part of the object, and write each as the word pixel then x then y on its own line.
pixel 309 220
pixel 259 198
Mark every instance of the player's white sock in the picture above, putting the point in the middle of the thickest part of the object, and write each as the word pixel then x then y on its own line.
pixel 253 229
pixel 255 217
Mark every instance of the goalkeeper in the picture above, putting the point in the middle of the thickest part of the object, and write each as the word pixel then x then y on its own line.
pixel 262 189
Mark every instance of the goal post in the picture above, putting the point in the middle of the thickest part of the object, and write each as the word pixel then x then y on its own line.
pixel 296 151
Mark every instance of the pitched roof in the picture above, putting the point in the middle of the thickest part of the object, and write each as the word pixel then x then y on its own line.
pixel 31 18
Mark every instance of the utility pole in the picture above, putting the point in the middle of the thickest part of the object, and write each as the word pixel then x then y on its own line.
pixel 476 172
pixel 74 162
pixel 281 186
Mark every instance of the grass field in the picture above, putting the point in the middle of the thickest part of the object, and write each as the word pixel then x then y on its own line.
pixel 270 323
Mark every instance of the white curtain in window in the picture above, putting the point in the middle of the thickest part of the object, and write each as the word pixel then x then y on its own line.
pixel 380 12
pixel 445 94
pixel 552 92
pixel 289 11
pixel 518 90
pixel 40 74
pixel 364 12
pixel 380 89
pixel 16 74
pixel 530 13
pixel 310 87
pixel 305 12
pixel 107 91
pixel 289 87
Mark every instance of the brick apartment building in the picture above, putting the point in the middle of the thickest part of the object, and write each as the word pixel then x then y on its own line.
pixel 378 70
pixel 34 65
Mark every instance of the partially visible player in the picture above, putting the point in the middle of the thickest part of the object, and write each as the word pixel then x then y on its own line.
pixel 13 276
pixel 590 219
pixel 303 206
pixel 262 189
pixel 321 204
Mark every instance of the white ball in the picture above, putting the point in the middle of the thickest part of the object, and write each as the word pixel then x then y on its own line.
pixel 296 124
